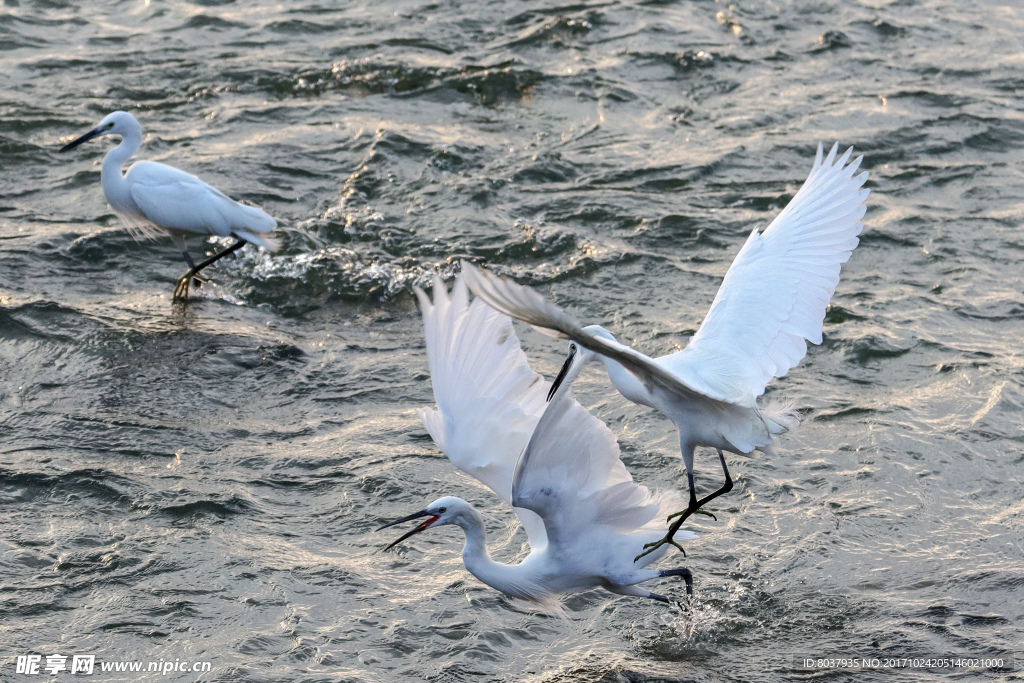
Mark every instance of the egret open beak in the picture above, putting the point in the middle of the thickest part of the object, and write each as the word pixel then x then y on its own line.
pixel 94 133
pixel 422 527
pixel 562 373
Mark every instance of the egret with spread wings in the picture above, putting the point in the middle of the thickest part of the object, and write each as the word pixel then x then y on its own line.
pixel 557 465
pixel 771 302
pixel 153 198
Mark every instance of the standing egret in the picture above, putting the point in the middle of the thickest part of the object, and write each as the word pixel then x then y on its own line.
pixel 773 298
pixel 555 463
pixel 152 197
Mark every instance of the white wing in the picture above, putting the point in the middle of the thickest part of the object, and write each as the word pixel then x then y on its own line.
pixel 488 398
pixel 524 303
pixel 173 199
pixel 571 474
pixel 775 293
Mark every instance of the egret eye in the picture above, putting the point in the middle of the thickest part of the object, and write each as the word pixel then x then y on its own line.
pixel 442 510
pixel 109 125
pixel 572 347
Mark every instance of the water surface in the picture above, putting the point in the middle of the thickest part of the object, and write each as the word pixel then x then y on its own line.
pixel 203 482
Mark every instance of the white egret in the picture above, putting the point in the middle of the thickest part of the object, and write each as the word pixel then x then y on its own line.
pixel 772 299
pixel 555 463
pixel 154 197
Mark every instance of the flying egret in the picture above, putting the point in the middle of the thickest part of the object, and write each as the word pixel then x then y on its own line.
pixel 152 197
pixel 773 298
pixel 555 463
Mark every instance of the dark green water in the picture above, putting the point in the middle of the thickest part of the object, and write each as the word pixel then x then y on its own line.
pixel 203 482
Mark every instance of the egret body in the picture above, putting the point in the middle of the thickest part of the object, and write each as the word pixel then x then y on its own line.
pixel 771 302
pixel 154 198
pixel 556 464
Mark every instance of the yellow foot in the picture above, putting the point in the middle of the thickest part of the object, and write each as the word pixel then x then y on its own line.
pixel 181 289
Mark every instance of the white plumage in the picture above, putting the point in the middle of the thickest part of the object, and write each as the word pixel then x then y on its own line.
pixel 489 399
pixel 775 294
pixel 772 301
pixel 556 463
pixel 179 202
pixel 154 198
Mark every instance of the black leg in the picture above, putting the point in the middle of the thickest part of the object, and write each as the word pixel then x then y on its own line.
pixel 181 290
pixel 216 257
pixel 693 506
pixel 659 598
pixel 669 537
pixel 725 488
pixel 192 269
pixel 683 572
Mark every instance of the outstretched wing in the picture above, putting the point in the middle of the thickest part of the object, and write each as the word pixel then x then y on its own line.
pixel 488 398
pixel 775 293
pixel 176 200
pixel 524 303
pixel 572 476
pixel 773 297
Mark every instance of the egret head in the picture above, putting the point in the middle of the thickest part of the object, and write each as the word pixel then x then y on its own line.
pixel 116 123
pixel 578 356
pixel 442 511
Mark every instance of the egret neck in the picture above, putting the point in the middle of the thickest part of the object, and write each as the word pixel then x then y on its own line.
pixel 510 579
pixel 115 187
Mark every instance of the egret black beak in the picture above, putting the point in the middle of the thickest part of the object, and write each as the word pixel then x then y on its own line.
pixel 562 373
pixel 94 133
pixel 422 527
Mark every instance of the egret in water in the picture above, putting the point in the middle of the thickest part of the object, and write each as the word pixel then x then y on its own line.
pixel 555 463
pixel 772 299
pixel 153 198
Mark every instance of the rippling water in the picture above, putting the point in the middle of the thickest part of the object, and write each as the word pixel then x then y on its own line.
pixel 203 482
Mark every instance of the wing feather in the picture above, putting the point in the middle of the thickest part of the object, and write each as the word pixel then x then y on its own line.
pixel 771 302
pixel 488 398
pixel 175 200
pixel 572 476
pixel 526 304
pixel 776 292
